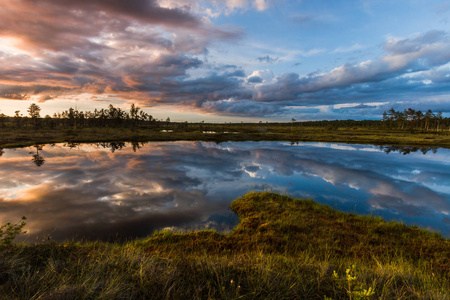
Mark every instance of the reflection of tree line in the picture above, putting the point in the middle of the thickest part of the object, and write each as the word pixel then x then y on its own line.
pixel 407 149
pixel 401 149
pixel 112 146
pixel 38 160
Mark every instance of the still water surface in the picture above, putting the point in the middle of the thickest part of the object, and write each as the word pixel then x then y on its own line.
pixel 120 190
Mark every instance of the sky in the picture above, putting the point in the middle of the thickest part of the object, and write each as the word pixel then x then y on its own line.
pixel 226 60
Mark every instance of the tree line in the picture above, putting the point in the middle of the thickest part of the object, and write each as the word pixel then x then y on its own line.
pixel 414 120
pixel 408 119
pixel 74 118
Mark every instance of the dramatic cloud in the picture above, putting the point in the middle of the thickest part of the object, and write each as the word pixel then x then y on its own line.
pixel 191 54
pixel 130 49
pixel 394 71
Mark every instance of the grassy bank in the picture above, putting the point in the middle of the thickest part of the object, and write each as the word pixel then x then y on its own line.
pixel 283 248
pixel 10 137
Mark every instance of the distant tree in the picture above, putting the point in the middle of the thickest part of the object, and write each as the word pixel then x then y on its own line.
pixel 416 119
pixel 428 117
pixel 2 119
pixel 17 118
pixel 34 112
pixel 143 116
pixel 134 114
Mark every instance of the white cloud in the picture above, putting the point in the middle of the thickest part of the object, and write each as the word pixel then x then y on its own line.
pixel 266 75
pixel 261 4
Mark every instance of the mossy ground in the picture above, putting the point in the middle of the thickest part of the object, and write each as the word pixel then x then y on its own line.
pixel 283 248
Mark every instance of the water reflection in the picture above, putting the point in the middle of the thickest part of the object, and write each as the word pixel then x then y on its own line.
pixel 127 190
pixel 407 149
pixel 37 159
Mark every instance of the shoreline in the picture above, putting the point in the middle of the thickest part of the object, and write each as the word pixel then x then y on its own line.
pixel 22 138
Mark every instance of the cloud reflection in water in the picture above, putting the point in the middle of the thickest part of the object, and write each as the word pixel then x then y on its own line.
pixel 106 191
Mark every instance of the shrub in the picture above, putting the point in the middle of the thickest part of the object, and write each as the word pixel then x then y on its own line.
pixel 9 231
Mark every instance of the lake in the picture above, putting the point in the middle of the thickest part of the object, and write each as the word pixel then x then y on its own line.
pixel 123 190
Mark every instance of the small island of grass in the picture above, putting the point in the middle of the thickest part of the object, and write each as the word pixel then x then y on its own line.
pixel 283 248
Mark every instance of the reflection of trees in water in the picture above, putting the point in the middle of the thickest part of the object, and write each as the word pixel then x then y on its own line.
pixel 71 145
pixel 37 159
pixel 407 149
pixel 137 145
pixel 113 146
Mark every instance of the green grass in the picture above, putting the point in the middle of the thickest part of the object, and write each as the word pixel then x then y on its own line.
pixel 283 248
pixel 10 137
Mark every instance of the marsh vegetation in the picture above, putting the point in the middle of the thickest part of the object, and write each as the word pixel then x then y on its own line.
pixel 283 248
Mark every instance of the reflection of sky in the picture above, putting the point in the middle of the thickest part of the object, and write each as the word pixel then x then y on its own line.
pixel 89 191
